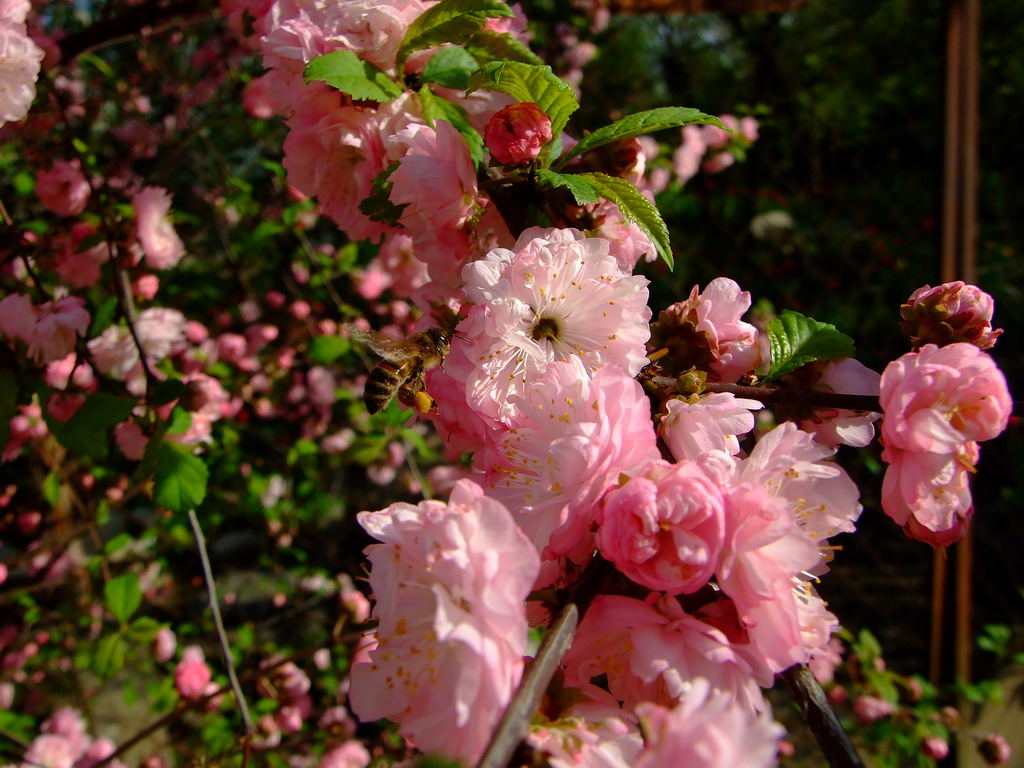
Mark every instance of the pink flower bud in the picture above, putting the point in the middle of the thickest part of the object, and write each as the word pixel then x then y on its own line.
pixel 993 749
pixel 951 312
pixel 871 708
pixel 935 747
pixel 192 674
pixel 517 132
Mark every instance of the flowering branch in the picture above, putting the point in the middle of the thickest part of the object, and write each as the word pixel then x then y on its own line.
pixel 828 732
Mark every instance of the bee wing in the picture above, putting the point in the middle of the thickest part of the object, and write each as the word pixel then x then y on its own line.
pixel 386 346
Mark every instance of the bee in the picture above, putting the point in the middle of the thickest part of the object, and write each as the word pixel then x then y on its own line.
pixel 403 367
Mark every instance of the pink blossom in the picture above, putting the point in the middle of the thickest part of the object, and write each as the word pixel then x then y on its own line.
pixel 20 59
pixel 935 747
pixel 556 295
pixel 159 329
pixel 516 133
pixel 993 749
pixel 192 674
pixel 655 652
pixel 436 182
pixel 98 751
pixel 871 708
pixel 351 754
pixel 56 330
pixel 452 623
pixel 575 434
pixel 718 162
pixel 17 316
pixel 255 100
pixel 838 426
pixel 79 269
pixel 50 750
pixel 929 494
pixel 160 243
pixel 692 427
pixel 590 734
pixel 706 331
pixel 62 188
pixel 68 722
pixel 627 243
pixel 687 158
pixel 952 312
pixel 164 644
pixel 936 399
pixel 707 729
pixel 664 527
pixel 114 352
pixel 146 286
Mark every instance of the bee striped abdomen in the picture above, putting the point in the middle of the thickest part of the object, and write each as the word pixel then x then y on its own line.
pixel 382 383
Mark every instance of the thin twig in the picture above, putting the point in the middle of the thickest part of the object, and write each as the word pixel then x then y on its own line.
pixel 834 742
pixel 218 622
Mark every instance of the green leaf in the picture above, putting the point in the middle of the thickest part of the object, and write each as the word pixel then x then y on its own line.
pixel 181 421
pixel 581 190
pixel 526 82
pixel 119 542
pixel 350 74
pixel 143 629
pixel 435 108
pixel 109 658
pixel 179 483
pixel 636 125
pixel 85 432
pixel 366 449
pixel 167 391
pixel 378 206
pixel 797 340
pixel 324 350
pixel 450 67
pixel 488 45
pixel 450 21
pixel 8 403
pixel 635 208
pixel 103 317
pixel 123 596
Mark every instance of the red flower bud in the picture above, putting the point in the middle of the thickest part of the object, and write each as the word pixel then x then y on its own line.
pixel 517 132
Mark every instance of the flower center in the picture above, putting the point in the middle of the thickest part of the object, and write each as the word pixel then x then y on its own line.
pixel 546 328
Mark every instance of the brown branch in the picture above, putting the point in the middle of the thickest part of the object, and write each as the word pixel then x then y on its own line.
pixel 772 396
pixel 835 744
pixel 153 14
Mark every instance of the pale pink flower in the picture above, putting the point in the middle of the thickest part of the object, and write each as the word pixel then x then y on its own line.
pixel 575 433
pixel 396 267
pixel 936 399
pixel 627 243
pixel 837 426
pixel 664 527
pixel 707 729
pixel 871 708
pixel 192 674
pixel 160 243
pixel 255 100
pixel 98 751
pixel 114 352
pixel 929 494
pixel 706 331
pixel 79 269
pixel 351 754
pixel 590 734
pixel 50 750
pixel 951 312
pixel 718 162
pixel 655 652
pixel 159 330
pixel 436 182
pixel 516 133
pixel 20 59
pixel 692 427
pixel 57 328
pixel 69 723
pixel 164 645
pixel 687 158
pixel 557 295
pixel 452 623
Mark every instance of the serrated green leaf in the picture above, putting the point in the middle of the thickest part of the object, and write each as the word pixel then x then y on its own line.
pixel 123 596
pixel 796 340
pixel 527 82
pixel 450 21
pixel 635 208
pixel 181 421
pixel 8 403
pixel 581 190
pixel 641 123
pixel 109 658
pixel 85 432
pixel 179 482
pixel 450 67
pixel 488 45
pixel 324 350
pixel 352 75
pixel 435 108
